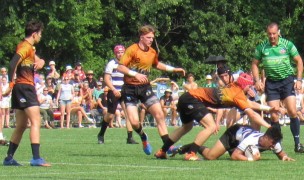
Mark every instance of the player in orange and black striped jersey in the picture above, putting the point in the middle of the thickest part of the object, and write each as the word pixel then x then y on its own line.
pixel 136 64
pixel 24 97
pixel 194 104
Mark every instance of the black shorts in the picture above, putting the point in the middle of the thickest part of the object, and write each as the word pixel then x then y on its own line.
pixel 279 90
pixel 228 139
pixel 190 108
pixel 24 96
pixel 112 102
pixel 131 94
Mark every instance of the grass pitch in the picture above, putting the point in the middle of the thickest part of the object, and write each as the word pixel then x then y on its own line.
pixel 75 154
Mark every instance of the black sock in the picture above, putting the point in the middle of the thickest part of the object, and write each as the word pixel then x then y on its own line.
pixel 165 138
pixel 103 128
pixel 185 148
pixel 194 148
pixel 130 134
pixel 11 150
pixel 201 150
pixel 167 143
pixel 35 151
pixel 141 133
pixel 295 129
pixel 276 124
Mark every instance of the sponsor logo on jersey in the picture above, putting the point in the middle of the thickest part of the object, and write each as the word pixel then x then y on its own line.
pixel 283 51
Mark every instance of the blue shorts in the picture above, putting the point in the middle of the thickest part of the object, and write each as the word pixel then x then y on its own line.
pixel 279 90
pixel 65 102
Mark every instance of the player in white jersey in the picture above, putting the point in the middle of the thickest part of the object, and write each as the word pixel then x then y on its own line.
pixel 237 138
pixel 114 80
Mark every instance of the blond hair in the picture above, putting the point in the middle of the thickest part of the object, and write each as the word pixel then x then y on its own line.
pixel 143 30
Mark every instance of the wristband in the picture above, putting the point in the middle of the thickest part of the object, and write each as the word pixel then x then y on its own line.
pixel 250 159
pixel 11 85
pixel 169 68
pixel 132 73
pixel 299 79
pixel 264 108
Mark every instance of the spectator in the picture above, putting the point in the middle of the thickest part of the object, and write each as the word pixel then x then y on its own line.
pixel 161 86
pixel 65 95
pixel 53 73
pixel 4 72
pixel 78 70
pixel 209 82
pixel 5 103
pixel 76 81
pixel 40 84
pixel 68 72
pixel 87 96
pixel 49 84
pixel 167 104
pixel 77 108
pixel 97 91
pixel 46 105
pixel 91 80
pixel 190 84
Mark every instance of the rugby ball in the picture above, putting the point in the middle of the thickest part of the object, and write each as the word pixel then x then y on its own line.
pixel 251 150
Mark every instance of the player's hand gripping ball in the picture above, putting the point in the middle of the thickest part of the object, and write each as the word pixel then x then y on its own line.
pixel 252 152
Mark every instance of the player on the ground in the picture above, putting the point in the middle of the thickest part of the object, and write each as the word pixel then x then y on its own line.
pixel 236 139
pixel 193 106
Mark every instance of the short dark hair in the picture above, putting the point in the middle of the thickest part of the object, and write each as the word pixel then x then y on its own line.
pixel 274 133
pixel 32 27
pixel 223 69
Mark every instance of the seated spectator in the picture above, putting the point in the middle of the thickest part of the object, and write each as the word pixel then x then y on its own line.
pixel 68 72
pixel 161 85
pixel 87 96
pixel 76 107
pixel 49 84
pixel 174 88
pixel 76 81
pixel 97 91
pixel 78 70
pixel 91 80
pixel 168 107
pixel 46 105
pixel 101 109
pixel 40 84
pixel 53 73
pixel 190 84
pixel 209 82
pixel 300 104
pixel 4 72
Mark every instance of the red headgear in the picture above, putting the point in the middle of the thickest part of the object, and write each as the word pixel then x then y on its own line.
pixel 118 48
pixel 244 80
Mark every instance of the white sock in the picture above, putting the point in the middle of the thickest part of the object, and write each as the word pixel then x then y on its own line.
pixel 1 136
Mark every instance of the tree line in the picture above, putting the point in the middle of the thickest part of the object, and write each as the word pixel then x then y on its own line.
pixel 188 31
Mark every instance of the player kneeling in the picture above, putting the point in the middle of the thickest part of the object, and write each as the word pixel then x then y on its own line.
pixel 237 139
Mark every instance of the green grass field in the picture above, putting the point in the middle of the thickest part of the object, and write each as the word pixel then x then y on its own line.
pixel 75 154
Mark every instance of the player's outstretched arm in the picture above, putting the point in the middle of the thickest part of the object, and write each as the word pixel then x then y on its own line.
pixel 284 157
pixel 164 67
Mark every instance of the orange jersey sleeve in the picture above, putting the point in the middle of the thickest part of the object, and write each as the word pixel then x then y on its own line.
pixel 25 69
pixel 138 60
pixel 231 95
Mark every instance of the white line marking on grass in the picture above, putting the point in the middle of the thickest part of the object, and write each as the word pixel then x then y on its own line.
pixel 130 166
